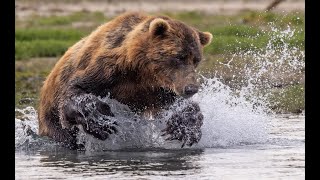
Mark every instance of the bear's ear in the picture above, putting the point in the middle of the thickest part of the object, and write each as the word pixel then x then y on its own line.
pixel 158 27
pixel 205 38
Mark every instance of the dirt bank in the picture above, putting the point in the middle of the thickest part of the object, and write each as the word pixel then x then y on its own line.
pixel 26 8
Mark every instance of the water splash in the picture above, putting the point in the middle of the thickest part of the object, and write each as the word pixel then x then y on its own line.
pixel 233 115
pixel 229 118
pixel 26 132
pixel 272 64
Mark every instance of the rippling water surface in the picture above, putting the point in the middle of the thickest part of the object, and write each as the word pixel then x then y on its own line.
pixel 282 156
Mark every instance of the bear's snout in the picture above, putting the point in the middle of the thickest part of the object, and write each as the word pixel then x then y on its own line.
pixel 191 89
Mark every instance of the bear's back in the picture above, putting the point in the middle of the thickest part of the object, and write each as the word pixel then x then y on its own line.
pixel 106 38
pixel 82 57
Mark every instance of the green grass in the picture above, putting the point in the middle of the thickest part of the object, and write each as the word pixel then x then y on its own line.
pixel 48 34
pixel 29 76
pixel 250 18
pixel 31 43
pixel 246 31
pixel 282 20
pixel 231 44
pixel 27 88
pixel 289 99
pixel 236 30
pixel 229 39
pixel 41 48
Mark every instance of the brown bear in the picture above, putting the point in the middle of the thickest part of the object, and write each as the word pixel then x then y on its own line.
pixel 145 62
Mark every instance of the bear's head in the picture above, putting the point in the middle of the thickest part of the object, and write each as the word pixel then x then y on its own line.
pixel 165 53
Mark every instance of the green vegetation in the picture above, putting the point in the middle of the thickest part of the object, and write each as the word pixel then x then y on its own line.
pixel 44 42
pixel 47 34
pixel 295 19
pixel 289 99
pixel 41 48
pixel 29 76
pixel 245 31
pixel 38 37
pixel 51 36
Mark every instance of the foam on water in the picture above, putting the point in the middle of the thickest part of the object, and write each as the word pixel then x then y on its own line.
pixel 231 116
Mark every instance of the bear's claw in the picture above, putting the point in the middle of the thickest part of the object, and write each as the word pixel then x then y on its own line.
pixel 185 125
pixel 100 130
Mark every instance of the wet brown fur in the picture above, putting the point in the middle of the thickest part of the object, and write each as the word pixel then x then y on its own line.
pixel 125 58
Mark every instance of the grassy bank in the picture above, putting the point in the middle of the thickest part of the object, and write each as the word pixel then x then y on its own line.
pixel 37 38
pixel 51 36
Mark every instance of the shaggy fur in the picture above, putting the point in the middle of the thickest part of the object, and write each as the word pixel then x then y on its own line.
pixel 145 62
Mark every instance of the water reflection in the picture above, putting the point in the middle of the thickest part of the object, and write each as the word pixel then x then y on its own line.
pixel 127 161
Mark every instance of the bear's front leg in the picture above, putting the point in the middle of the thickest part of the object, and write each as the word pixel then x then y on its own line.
pixel 88 111
pixel 185 125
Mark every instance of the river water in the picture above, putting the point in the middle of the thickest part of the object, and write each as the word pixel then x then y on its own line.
pixel 282 156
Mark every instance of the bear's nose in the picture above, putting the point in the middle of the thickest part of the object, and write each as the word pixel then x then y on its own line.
pixel 191 89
